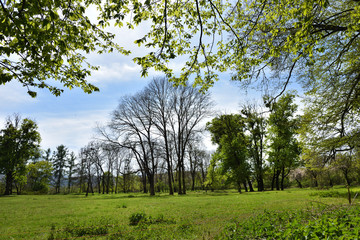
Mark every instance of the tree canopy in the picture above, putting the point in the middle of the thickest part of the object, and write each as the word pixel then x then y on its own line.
pixel 48 40
pixel 249 38
pixel 19 141
pixel 266 40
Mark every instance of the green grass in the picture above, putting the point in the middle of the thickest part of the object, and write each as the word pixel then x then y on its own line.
pixel 192 216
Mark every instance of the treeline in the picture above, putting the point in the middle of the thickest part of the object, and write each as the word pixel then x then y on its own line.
pixel 154 143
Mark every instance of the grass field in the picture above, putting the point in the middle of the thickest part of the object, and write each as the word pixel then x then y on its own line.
pixel 197 215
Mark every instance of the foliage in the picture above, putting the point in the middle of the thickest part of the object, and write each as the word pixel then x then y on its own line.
pixel 39 176
pixel 321 222
pixel 60 157
pixel 136 218
pixel 19 141
pixel 255 125
pixel 284 149
pixel 247 37
pixel 228 131
pixel 43 40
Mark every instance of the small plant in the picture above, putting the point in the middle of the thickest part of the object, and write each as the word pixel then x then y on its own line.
pixel 136 218
pixel 122 206
pixel 316 223
pixel 52 232
pixel 76 229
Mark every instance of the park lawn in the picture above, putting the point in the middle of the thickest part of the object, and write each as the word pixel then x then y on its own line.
pixel 195 215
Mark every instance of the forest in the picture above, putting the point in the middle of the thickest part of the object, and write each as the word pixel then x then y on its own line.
pixel 300 138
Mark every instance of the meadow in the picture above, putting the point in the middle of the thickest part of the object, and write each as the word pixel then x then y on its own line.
pixel 196 215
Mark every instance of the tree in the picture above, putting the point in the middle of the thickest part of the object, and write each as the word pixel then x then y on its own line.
pixel 43 40
pixel 196 157
pixel 133 125
pixel 190 108
pixel 228 132
pixel 19 141
pixel 86 168
pixel 59 163
pixel 255 124
pixel 284 149
pixel 39 176
pixel 214 174
pixel 71 169
pixel 160 115
pixel 255 39
pixel 160 90
pixel 252 37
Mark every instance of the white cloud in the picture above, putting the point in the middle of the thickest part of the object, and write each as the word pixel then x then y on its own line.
pixel 73 130
pixel 13 93
pixel 115 72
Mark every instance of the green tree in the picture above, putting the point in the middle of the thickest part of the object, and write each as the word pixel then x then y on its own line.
pixel 246 37
pixel 255 124
pixel 215 178
pixel 228 132
pixel 19 141
pixel 71 169
pixel 43 40
pixel 39 176
pixel 59 163
pixel 284 149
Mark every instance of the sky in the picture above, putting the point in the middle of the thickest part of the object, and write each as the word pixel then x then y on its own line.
pixel 71 119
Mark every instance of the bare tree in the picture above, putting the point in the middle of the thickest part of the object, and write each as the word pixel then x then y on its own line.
pixel 190 108
pixel 161 90
pixel 87 167
pixel 156 124
pixel 132 125
pixel 195 156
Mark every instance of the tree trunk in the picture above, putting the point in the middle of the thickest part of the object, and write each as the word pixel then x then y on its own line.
pixel 169 170
pixel 250 185
pixel 239 187
pixel 88 185
pixel 179 179
pixel 298 182
pixel 18 188
pixel 193 181
pixel 8 183
pixel 103 184
pixel 152 184
pixel 346 176
pixel 315 180
pixel 260 182
pixel 277 180
pixel 273 180
pixel 245 187
pixel 183 176
pixel 282 178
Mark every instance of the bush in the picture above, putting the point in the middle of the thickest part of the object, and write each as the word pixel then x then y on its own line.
pixel 135 218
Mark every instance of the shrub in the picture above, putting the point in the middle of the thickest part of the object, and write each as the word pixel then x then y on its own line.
pixel 135 218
